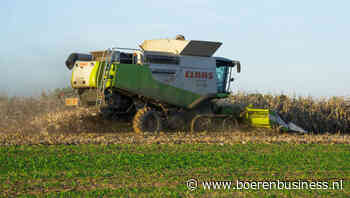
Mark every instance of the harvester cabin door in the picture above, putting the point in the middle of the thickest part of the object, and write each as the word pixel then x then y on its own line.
pixel 223 76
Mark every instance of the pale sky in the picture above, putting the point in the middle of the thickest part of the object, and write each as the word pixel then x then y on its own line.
pixel 294 47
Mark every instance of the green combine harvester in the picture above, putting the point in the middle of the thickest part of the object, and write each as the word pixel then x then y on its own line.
pixel 175 84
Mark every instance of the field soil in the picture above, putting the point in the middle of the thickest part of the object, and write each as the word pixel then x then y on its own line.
pixel 228 137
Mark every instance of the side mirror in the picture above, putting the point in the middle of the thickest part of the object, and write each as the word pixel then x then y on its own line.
pixel 232 79
pixel 238 65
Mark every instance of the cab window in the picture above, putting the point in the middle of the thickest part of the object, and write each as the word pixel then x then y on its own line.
pixel 221 75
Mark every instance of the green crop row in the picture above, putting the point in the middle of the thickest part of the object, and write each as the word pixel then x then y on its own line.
pixel 162 170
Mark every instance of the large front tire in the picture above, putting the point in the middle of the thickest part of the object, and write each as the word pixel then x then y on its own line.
pixel 147 120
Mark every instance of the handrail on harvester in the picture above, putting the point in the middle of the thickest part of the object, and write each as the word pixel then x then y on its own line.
pixel 123 48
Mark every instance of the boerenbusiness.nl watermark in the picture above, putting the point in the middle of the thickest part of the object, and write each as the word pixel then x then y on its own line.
pixel 194 184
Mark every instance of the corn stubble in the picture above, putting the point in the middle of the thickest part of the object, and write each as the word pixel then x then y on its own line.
pixel 314 115
pixel 45 120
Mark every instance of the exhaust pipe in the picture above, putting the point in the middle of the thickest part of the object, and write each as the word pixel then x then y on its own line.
pixel 75 57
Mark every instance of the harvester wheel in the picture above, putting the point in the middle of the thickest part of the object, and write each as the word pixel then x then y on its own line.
pixel 147 120
pixel 201 123
pixel 230 124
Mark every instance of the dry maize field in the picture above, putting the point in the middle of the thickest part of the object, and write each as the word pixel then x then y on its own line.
pixel 45 120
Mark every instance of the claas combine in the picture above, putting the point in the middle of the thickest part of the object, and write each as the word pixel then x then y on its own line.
pixel 175 84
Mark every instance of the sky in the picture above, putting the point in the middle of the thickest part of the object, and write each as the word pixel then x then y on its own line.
pixel 293 47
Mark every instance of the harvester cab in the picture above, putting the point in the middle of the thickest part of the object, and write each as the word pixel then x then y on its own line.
pixel 164 83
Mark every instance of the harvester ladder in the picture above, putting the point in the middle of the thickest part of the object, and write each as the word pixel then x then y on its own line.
pixel 106 63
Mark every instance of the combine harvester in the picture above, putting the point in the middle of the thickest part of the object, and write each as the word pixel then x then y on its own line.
pixel 168 83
